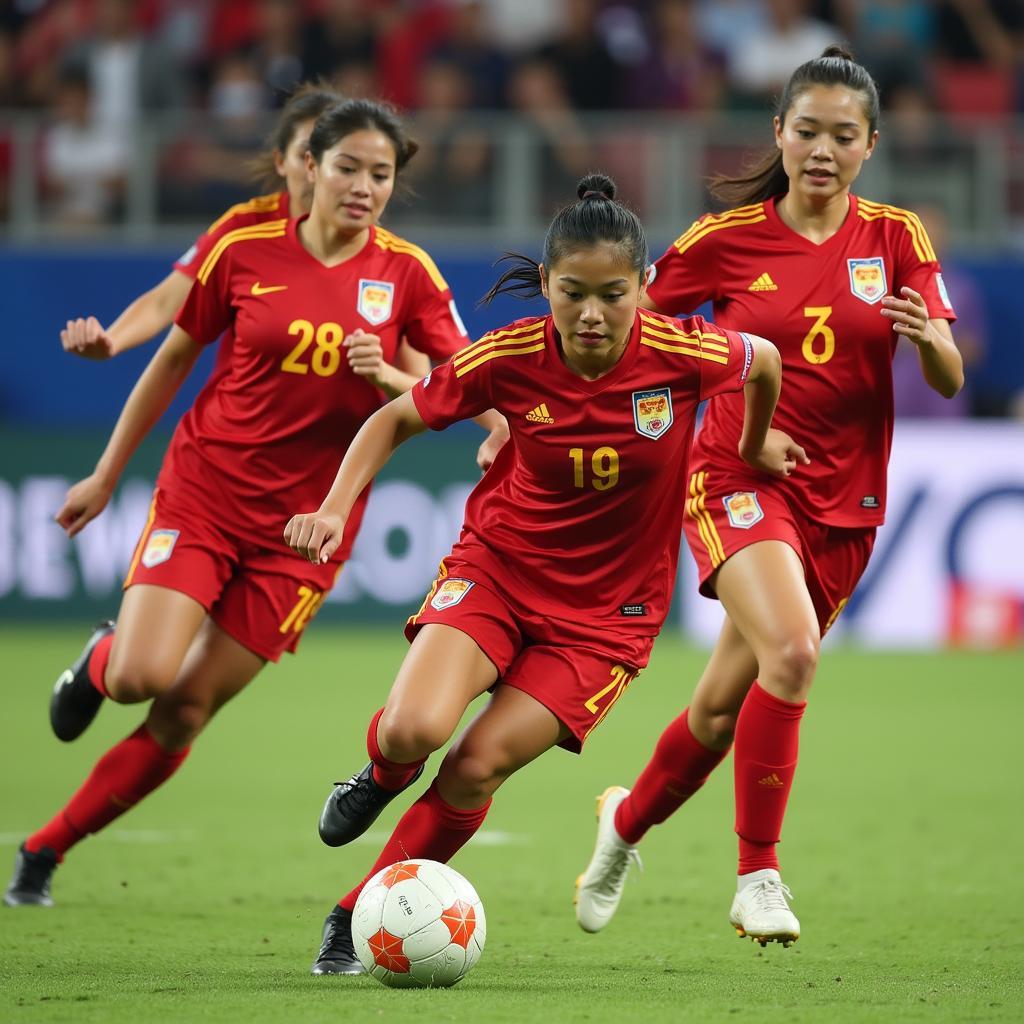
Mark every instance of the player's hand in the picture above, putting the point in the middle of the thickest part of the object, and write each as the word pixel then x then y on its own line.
pixel 84 502
pixel 86 337
pixel 909 315
pixel 314 535
pixel 779 456
pixel 366 357
pixel 491 445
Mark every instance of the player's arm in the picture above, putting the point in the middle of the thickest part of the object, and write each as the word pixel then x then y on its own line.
pixel 941 363
pixel 772 451
pixel 148 315
pixel 316 535
pixel 148 401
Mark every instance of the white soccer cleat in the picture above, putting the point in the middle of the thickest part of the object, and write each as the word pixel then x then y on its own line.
pixel 760 909
pixel 599 888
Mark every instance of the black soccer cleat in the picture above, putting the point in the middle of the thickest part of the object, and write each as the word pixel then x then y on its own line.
pixel 355 805
pixel 337 953
pixel 30 885
pixel 75 700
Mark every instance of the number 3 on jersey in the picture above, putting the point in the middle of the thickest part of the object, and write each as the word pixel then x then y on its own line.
pixel 820 329
pixel 326 357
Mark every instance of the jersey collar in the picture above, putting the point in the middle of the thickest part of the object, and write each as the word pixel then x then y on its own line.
pixel 838 239
pixel 590 387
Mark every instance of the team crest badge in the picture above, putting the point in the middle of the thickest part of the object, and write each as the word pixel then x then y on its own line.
pixel 159 547
pixel 375 300
pixel 450 593
pixel 743 509
pixel 652 412
pixel 867 278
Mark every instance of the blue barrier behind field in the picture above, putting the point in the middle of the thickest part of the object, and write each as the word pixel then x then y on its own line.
pixel 43 288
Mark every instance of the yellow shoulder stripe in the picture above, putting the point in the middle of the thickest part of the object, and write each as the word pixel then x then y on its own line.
pixel 259 204
pixel 510 334
pixel 391 242
pixel 507 344
pixel 671 332
pixel 869 211
pixel 684 350
pixel 497 354
pixel 731 219
pixel 269 229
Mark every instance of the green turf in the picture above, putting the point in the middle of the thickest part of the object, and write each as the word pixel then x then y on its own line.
pixel 205 903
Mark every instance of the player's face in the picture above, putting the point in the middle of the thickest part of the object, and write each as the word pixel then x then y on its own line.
pixel 354 179
pixel 593 293
pixel 291 165
pixel 824 141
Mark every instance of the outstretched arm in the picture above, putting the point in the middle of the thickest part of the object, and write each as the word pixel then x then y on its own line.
pixel 941 363
pixel 316 535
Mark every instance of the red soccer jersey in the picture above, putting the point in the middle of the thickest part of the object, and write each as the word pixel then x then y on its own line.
pixel 820 305
pixel 581 512
pixel 241 215
pixel 264 435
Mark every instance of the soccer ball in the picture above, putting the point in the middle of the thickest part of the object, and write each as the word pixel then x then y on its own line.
pixel 418 924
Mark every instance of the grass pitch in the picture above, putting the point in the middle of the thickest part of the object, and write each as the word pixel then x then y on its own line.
pixel 205 903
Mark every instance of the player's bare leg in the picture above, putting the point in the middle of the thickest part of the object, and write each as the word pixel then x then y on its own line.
pixel 763 590
pixel 443 672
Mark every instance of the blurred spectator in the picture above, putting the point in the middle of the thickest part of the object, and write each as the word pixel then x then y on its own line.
pixel 358 80
pixel 451 173
pixel 912 394
pixel 761 63
pixel 10 87
pixel 468 46
pixel 891 38
pixel 278 46
pixel 521 25
pixel 536 91
pixel 408 34
pixel 83 163
pixel 590 74
pixel 344 33
pixel 680 73
pixel 725 25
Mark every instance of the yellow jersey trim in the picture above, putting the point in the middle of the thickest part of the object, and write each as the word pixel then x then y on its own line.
pixel 393 243
pixel 442 574
pixel 271 229
pixel 258 204
pixel 496 354
pixel 661 329
pixel 696 509
pixel 707 225
pixel 486 345
pixel 869 211
pixel 143 538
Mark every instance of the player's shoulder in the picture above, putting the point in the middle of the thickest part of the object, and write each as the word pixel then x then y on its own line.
pixel 232 242
pixel 896 223
pixel 510 343
pixel 252 211
pixel 683 340
pixel 398 250
pixel 731 225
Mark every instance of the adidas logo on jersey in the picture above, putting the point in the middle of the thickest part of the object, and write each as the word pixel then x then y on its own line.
pixel 764 284
pixel 540 415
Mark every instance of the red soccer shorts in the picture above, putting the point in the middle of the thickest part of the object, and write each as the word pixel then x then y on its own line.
pixel 262 598
pixel 725 513
pixel 575 670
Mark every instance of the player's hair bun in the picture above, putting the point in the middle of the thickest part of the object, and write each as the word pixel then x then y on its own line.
pixel 596 186
pixel 838 51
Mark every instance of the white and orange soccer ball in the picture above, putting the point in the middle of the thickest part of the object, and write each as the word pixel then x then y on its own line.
pixel 418 924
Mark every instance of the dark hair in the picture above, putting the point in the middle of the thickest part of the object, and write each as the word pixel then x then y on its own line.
pixel 361 115
pixel 595 217
pixel 306 103
pixel 766 177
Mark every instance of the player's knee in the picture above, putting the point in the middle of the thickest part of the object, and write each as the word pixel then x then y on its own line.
pixel 403 738
pixel 794 665
pixel 719 729
pixel 130 681
pixel 474 774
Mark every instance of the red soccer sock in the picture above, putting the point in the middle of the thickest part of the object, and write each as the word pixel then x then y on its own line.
pixel 387 774
pixel 430 829
pixel 767 743
pixel 679 766
pixel 120 779
pixel 98 658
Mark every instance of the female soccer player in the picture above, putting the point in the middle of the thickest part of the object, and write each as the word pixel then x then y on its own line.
pixel 212 593
pixel 835 280
pixel 543 600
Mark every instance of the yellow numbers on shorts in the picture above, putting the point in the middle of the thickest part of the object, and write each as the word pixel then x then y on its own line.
pixel 609 694
pixel 819 344
pixel 325 357
pixel 304 609
pixel 604 468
